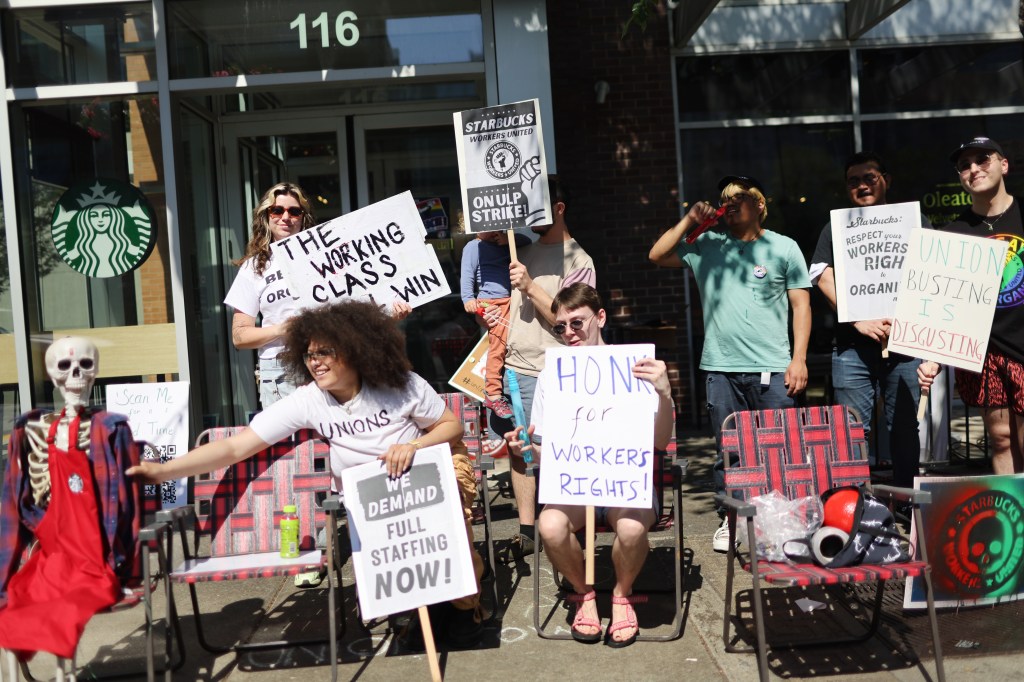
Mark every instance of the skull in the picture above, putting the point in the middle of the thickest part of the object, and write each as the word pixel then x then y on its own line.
pixel 72 363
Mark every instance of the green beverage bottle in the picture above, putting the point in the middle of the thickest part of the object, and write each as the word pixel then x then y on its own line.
pixel 289 533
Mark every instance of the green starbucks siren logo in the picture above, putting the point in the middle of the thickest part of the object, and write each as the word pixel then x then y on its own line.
pixel 103 228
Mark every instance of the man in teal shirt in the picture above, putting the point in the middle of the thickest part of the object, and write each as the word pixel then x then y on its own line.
pixel 748 278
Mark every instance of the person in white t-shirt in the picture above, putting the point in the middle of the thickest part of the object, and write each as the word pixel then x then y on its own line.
pixel 259 288
pixel 360 394
pixel 579 318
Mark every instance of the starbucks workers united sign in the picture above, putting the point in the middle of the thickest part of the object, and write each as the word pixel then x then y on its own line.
pixel 103 227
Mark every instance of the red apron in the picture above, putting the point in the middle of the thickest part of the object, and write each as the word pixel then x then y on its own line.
pixel 67 579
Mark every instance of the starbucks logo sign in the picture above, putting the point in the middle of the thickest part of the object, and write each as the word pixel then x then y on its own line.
pixel 103 228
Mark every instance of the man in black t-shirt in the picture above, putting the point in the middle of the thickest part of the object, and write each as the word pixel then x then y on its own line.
pixel 860 375
pixel 999 388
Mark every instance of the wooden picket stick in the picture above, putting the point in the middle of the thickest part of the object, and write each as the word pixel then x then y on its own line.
pixel 510 233
pixel 885 349
pixel 922 404
pixel 428 641
pixel 590 544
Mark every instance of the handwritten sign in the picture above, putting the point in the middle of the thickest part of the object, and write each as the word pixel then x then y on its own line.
pixel 948 295
pixel 471 376
pixel 158 415
pixel 409 543
pixel 376 253
pixel 502 167
pixel 870 245
pixel 598 427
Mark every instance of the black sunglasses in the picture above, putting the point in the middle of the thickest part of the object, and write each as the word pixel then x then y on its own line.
pixel 293 211
pixel 576 325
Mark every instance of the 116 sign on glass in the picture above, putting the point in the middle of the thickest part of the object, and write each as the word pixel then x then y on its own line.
pixel 345 30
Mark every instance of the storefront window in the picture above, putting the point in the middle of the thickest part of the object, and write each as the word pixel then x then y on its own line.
pixel 79 44
pixel 245 37
pixel 398 93
pixel 770 84
pixel 9 408
pixel 941 77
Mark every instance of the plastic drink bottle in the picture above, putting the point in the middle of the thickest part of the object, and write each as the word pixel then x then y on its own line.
pixel 289 533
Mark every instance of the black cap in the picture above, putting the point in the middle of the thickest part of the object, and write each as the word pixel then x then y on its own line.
pixel 977 143
pixel 740 180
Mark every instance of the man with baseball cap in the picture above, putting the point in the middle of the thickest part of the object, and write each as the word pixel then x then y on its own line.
pixel 748 278
pixel 999 389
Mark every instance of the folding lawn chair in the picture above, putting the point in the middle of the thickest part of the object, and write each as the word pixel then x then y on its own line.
pixel 802 452
pixel 239 508
pixel 668 479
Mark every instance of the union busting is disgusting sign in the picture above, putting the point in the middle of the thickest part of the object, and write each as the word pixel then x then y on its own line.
pixel 947 298
pixel 409 543
pixel 502 167
pixel 870 245
pixel 376 253
pixel 598 428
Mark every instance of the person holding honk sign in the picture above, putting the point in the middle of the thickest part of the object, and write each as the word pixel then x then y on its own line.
pixel 579 318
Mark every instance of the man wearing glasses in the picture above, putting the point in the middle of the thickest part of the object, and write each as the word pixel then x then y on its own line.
pixel 999 389
pixel 748 278
pixel 860 375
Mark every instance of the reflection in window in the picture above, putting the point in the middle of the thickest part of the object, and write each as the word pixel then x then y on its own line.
pixel 770 84
pixel 79 44
pixel 943 77
pixel 244 37
pixel 6 311
pixel 401 91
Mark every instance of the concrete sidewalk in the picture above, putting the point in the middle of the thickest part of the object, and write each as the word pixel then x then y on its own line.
pixel 261 609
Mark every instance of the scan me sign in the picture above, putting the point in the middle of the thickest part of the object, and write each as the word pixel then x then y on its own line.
pixel 597 427
pixel 409 543
pixel 376 253
pixel 502 167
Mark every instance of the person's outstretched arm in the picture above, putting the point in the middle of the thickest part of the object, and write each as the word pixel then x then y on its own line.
pixel 214 455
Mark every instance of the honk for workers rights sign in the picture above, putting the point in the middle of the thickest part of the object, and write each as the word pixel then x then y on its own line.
pixel 502 167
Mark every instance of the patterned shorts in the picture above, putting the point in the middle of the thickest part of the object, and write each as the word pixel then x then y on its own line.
pixel 1000 384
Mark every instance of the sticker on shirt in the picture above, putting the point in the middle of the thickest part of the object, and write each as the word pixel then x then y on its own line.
pixel 760 271
pixel 1011 291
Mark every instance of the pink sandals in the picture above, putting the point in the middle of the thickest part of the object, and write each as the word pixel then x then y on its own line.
pixel 629 622
pixel 582 621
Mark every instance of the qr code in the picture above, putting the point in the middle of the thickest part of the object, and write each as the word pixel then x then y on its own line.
pixel 168 493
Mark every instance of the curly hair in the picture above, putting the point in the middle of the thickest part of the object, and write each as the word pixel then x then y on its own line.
pixel 362 336
pixel 258 248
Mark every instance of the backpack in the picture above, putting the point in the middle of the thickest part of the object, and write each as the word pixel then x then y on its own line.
pixel 874 538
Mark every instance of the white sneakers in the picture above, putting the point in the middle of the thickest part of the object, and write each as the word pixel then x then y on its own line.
pixel 720 543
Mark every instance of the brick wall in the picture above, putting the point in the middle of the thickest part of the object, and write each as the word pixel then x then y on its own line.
pixel 618 160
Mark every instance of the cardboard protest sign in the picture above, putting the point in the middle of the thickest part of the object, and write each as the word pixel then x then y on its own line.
pixel 974 531
pixel 471 376
pixel 870 246
pixel 409 543
pixel 376 253
pixel 502 167
pixel 158 415
pixel 598 427
pixel 947 298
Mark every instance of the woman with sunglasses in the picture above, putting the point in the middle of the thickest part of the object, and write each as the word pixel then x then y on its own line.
pixel 360 393
pixel 259 288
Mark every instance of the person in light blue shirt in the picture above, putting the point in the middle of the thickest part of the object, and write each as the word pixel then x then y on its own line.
pixel 749 278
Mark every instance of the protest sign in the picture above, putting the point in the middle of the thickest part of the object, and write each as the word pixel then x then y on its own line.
pixel 376 253
pixel 471 376
pixel 870 246
pixel 947 297
pixel 598 427
pixel 158 415
pixel 974 531
pixel 409 543
pixel 502 167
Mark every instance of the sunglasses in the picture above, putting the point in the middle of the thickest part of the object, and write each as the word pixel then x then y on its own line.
pixel 575 325
pixel 318 355
pixel 293 211
pixel 982 161
pixel 855 181
pixel 735 199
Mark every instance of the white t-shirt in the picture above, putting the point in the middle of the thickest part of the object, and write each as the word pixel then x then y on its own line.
pixel 265 294
pixel 360 430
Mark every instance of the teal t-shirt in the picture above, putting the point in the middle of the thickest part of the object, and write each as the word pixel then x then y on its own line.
pixel 743 290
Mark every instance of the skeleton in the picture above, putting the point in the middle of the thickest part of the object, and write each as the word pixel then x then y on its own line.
pixel 72 363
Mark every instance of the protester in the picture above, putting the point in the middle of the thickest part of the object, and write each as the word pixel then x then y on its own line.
pixel 999 389
pixel 860 374
pixel 579 318
pixel 749 278
pixel 360 394
pixel 544 268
